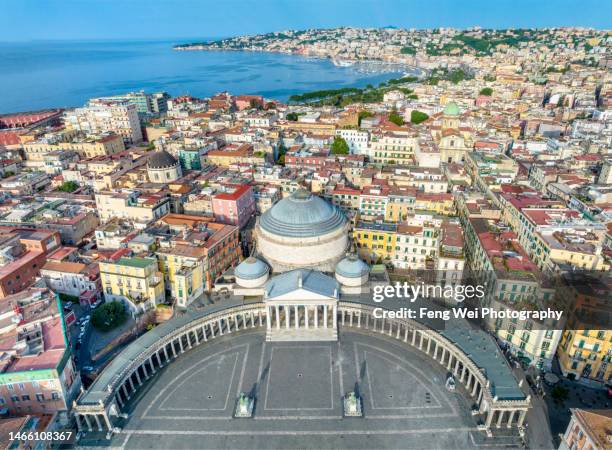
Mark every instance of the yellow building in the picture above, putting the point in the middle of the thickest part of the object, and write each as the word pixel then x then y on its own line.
pixel 375 241
pixel 393 148
pixel 136 282
pixel 100 146
pixel 183 267
pixel 400 204
pixel 585 350
pixel 441 203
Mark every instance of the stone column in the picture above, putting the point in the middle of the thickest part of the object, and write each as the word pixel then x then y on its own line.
pixel 351 318
pixel 511 418
pixel 228 320
pixel 316 316
pixel 296 310
pixel 428 345
pixel 118 398
pixel 180 340
pixel 414 333
pixel 166 353
pixel 405 333
pixel 456 371
pixel 268 322
pixel 132 384
pixel 450 360
pixel 125 391
pixel 211 325
pixel 521 418
pixel 277 312
pixel 78 421
pixel 500 418
pixel 490 414
pixel 421 342
pixel 481 392
pixel 359 319
pixel 88 422
pixel 324 316
pixel 306 316
pixel 173 348
pixel 108 424
pixel 260 319
pixel 220 327
pixel 399 328
pixel 335 311
pixel 197 339
pixel 96 416
pixel 287 309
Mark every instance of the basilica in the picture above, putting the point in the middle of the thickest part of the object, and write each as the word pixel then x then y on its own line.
pixel 300 268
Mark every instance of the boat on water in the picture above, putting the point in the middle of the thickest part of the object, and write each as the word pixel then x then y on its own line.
pixel 343 62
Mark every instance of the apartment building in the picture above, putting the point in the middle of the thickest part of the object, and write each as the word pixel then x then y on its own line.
pixel 37 375
pixel 101 116
pixel 134 281
pixel 139 208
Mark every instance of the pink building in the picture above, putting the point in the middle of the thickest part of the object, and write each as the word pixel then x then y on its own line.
pixel 234 207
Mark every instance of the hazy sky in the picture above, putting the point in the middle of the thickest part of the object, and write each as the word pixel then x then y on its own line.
pixel 23 20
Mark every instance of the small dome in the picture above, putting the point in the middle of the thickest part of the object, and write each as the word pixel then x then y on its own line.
pixel 251 269
pixel 451 109
pixel 161 160
pixel 352 267
pixel 302 214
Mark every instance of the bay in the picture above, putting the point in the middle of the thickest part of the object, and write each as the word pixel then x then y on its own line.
pixel 54 74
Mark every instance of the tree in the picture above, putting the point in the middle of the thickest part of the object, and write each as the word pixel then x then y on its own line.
pixel 486 91
pixel 68 186
pixel 339 146
pixel 417 117
pixel 396 119
pixel 293 117
pixel 108 316
pixel 363 114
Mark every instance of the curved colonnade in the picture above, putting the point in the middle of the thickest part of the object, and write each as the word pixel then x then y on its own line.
pixel 98 410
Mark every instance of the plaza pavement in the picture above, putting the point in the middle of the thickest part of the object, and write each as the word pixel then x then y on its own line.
pixel 298 388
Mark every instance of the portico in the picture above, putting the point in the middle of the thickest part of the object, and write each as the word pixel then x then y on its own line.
pixel 301 306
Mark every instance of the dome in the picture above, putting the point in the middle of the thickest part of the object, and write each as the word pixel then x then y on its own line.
pixel 161 160
pixel 352 267
pixel 302 215
pixel 451 109
pixel 251 269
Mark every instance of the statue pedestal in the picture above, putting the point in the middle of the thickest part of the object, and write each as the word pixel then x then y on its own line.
pixel 244 407
pixel 352 405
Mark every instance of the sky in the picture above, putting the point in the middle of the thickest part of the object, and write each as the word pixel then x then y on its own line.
pixel 26 20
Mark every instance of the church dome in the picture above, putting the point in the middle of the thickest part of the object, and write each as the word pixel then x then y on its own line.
pixel 352 267
pixel 451 109
pixel 251 273
pixel 251 268
pixel 161 160
pixel 302 215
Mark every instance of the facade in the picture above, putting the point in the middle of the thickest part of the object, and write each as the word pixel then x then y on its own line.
pixel 393 148
pixel 235 206
pixel 589 429
pixel 298 221
pixel 70 278
pixel 135 282
pixel 139 209
pixel 585 349
pixel 37 375
pixel 100 117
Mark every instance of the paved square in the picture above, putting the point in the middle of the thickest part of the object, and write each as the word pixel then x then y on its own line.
pixel 298 389
pixel 300 378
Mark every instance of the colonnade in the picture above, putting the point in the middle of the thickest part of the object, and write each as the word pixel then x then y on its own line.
pixel 96 415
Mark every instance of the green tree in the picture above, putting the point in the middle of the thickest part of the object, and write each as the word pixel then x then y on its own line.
pixel 417 117
pixel 293 117
pixel 396 119
pixel 108 316
pixel 68 186
pixel 339 146
pixel 363 114
pixel 486 91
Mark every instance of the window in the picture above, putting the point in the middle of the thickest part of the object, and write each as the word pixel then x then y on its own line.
pixel 25 398
pixel 21 386
pixel 40 397
pixel 55 396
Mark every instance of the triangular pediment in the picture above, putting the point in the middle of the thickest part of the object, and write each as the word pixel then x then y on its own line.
pixel 301 294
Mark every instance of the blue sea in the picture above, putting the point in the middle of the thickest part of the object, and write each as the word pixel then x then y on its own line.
pixel 37 75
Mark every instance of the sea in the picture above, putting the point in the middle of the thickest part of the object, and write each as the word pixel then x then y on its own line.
pixel 61 74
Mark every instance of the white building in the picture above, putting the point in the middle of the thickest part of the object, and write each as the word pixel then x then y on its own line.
pixel 103 116
pixel 357 140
